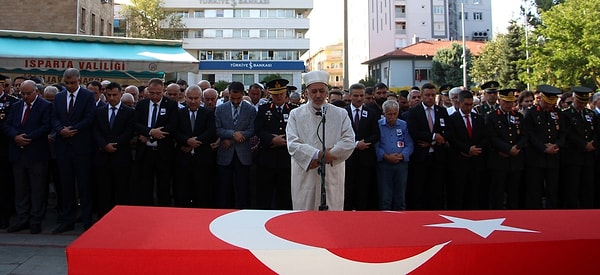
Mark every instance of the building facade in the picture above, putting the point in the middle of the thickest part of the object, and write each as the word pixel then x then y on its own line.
pixel 411 65
pixel 86 17
pixel 331 60
pixel 395 24
pixel 245 40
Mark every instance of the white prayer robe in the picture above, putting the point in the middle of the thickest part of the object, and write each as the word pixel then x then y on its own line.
pixel 303 143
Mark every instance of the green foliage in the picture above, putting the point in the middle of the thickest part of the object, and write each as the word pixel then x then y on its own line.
pixel 270 77
pixel 567 51
pixel 221 85
pixel 447 66
pixel 368 81
pixel 146 17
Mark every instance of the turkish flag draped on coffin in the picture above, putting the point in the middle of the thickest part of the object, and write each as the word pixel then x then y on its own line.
pixel 178 241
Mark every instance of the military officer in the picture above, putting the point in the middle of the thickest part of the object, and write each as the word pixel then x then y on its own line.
pixel 546 136
pixel 577 159
pixel 274 172
pixel 6 183
pixel 490 98
pixel 507 138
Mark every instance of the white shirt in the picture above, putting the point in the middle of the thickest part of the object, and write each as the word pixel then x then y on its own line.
pixel 150 109
pixel 116 110
pixel 74 98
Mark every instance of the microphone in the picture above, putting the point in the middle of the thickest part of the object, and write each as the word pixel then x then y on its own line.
pixel 323 109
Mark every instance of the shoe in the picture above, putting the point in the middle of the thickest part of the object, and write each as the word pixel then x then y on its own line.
pixel 63 227
pixel 35 229
pixel 17 227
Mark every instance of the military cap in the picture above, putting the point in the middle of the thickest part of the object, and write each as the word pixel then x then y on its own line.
pixel 292 88
pixel 277 86
pixel 490 86
pixel 444 89
pixel 581 93
pixel 508 94
pixel 548 90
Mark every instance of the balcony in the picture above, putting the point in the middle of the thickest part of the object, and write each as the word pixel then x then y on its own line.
pixel 247 43
pixel 246 23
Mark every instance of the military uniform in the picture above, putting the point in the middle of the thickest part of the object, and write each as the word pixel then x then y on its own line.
pixel 274 170
pixel 505 130
pixel 577 158
pixel 485 107
pixel 6 183
pixel 545 134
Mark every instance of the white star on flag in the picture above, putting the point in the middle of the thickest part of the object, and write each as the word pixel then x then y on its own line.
pixel 482 228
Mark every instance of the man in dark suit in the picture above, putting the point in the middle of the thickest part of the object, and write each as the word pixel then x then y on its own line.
pixel 427 126
pixel 7 183
pixel 156 121
pixel 577 158
pixel 98 89
pixel 360 190
pixel 72 118
pixel 467 139
pixel 195 132
pixel 113 130
pixel 273 190
pixel 507 137
pixel 546 135
pixel 28 127
pixel 235 126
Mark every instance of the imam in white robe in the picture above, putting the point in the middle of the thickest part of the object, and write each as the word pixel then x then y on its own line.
pixel 303 143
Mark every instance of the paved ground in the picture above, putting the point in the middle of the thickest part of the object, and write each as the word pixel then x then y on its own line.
pixel 23 253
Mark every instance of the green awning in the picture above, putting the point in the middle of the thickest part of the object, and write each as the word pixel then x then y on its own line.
pixel 56 52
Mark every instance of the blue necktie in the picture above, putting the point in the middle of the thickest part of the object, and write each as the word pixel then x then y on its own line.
pixel 113 114
pixel 235 115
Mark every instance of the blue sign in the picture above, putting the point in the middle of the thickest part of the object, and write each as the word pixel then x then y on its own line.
pixel 250 65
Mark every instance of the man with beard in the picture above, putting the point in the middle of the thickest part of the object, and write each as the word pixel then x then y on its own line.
pixel 305 145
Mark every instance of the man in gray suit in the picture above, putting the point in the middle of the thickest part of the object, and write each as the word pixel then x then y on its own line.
pixel 235 125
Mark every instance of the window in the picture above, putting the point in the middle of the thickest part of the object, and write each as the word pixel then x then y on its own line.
pixel 400 12
pixel 245 33
pixel 83 18
pixel 210 13
pixel 199 14
pixel 182 14
pixel 198 33
pixel 477 16
pixel 210 33
pixel 247 79
pixel 236 55
pixel 439 27
pixel 93 24
pixel 466 16
pixel 110 29
pixel 218 33
pixel 280 33
pixel 421 74
pixel 220 13
pixel 101 26
pixel 218 55
pixel 209 77
pixel 438 9
pixel 401 28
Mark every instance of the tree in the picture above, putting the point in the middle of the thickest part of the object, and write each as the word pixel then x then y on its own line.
pixel 368 81
pixel 221 85
pixel 148 19
pixel 447 66
pixel 487 65
pixel 567 53
pixel 514 54
pixel 270 77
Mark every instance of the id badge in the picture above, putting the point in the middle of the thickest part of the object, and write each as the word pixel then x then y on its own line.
pixel 512 119
pixel 365 113
pixel 398 132
pixel 588 118
pixel 163 111
pixel 442 122
pixel 285 117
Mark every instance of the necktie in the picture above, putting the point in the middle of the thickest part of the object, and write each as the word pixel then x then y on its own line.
pixel 469 128
pixel 71 102
pixel 113 114
pixel 430 119
pixel 193 120
pixel 279 110
pixel 236 112
pixel 154 111
pixel 26 114
pixel 356 117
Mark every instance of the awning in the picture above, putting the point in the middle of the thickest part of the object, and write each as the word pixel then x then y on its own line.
pixel 57 52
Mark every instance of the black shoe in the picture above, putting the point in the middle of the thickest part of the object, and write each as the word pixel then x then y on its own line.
pixel 35 229
pixel 63 227
pixel 17 227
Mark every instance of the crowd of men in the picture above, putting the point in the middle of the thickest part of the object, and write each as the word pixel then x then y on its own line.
pixel 103 144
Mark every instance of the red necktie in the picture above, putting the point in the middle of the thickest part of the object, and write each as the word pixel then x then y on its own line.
pixel 26 114
pixel 469 128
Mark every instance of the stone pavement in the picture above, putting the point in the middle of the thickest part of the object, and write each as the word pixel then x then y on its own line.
pixel 44 253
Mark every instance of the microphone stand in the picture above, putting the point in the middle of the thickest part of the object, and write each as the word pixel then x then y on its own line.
pixel 322 164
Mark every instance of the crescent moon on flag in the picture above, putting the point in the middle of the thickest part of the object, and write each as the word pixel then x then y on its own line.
pixel 246 229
